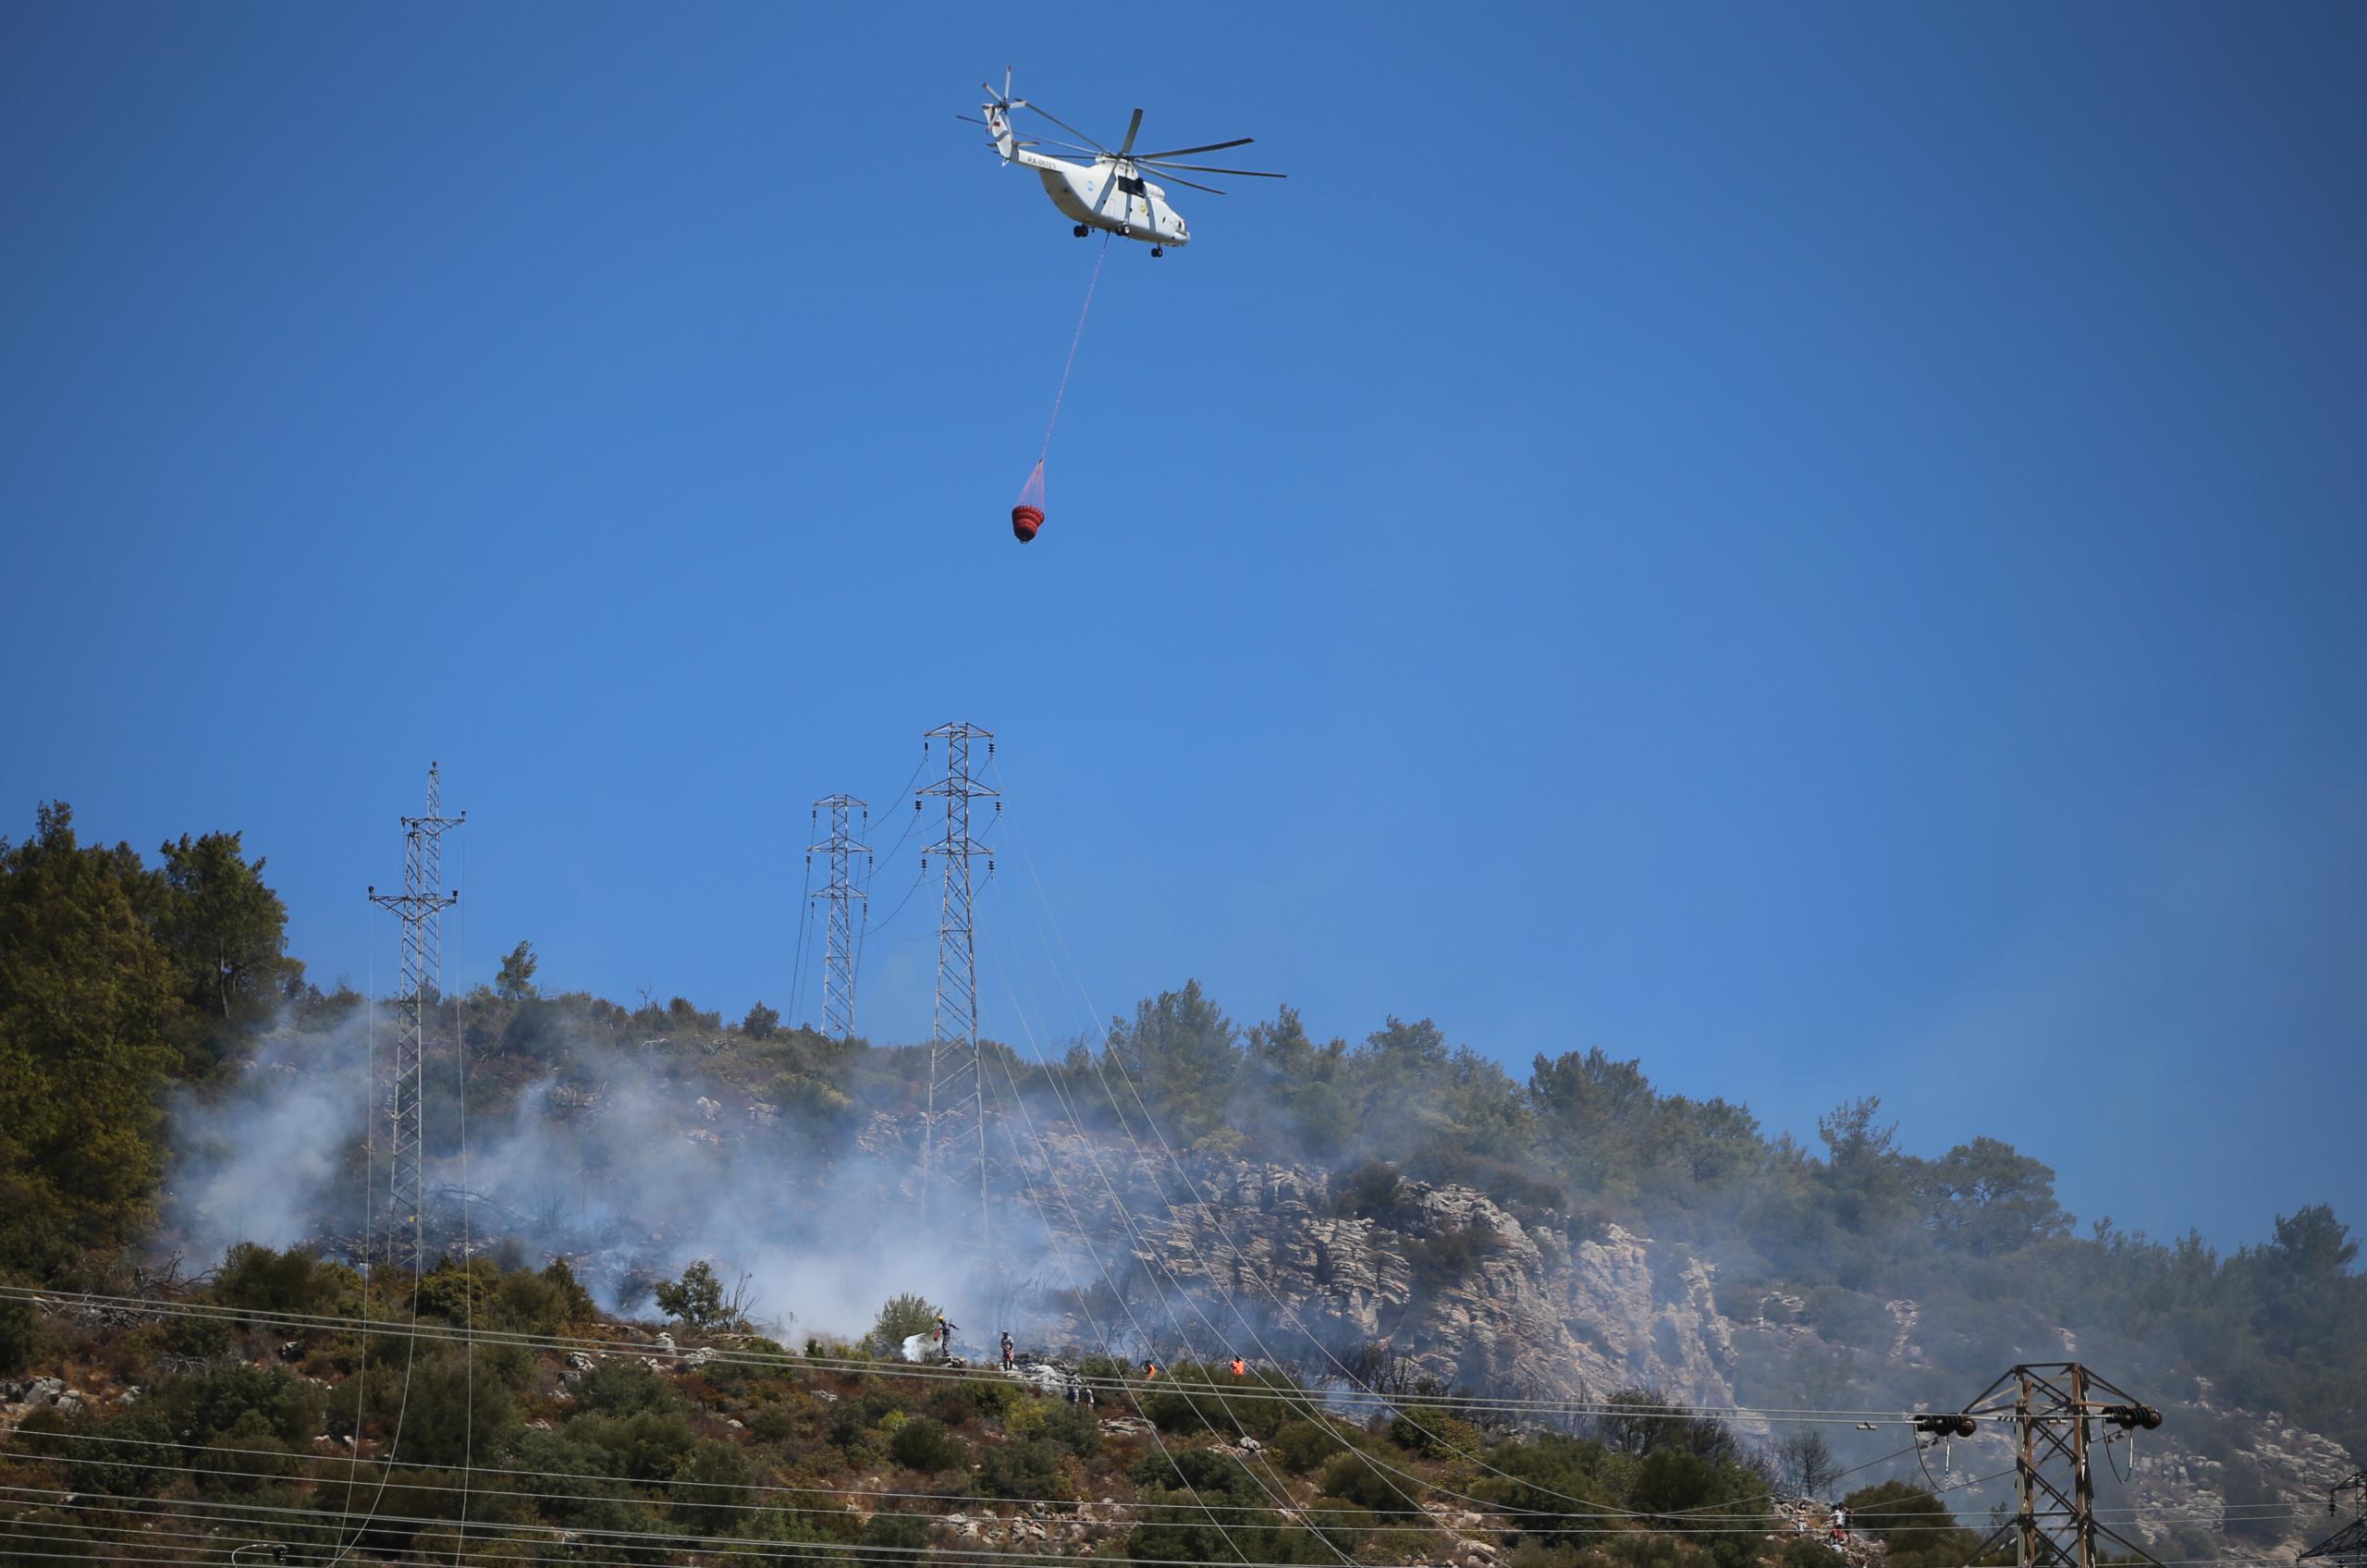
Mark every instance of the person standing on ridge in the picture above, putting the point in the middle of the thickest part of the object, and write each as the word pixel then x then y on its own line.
pixel 1010 1352
pixel 1240 1368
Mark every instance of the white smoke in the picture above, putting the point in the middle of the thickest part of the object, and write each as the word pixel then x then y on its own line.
pixel 255 1162
pixel 631 1165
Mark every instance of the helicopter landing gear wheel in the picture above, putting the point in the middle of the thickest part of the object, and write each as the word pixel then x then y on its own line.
pixel 1157 252
pixel 1079 231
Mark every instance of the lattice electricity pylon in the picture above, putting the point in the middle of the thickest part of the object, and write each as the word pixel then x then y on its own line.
pixel 957 1104
pixel 2053 1406
pixel 421 907
pixel 841 895
pixel 2346 1548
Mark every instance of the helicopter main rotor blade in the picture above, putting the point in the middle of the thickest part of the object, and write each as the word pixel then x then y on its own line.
pixel 1203 168
pixel 1065 126
pixel 1178 179
pixel 1133 125
pixel 1211 147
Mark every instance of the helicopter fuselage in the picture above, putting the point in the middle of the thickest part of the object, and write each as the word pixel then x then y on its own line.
pixel 1104 195
pixel 1107 193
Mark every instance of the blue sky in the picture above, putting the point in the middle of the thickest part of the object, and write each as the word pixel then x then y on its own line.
pixel 1818 547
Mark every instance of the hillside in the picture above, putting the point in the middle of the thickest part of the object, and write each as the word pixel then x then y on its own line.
pixel 1396 1220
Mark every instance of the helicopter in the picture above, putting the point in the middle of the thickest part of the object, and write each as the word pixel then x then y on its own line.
pixel 1110 192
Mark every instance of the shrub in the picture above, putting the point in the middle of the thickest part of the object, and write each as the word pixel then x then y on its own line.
pixel 1030 1468
pixel 243 1458
pixel 1369 1191
pixel 260 1279
pixel 541 1304
pixel 645 1447
pixel 1426 1430
pixel 19 1336
pixel 1303 1445
pixel 924 1445
pixel 621 1388
pixel 901 1537
pixel 900 1317
pixel 1363 1481
pixel 709 1489
pixel 136 1460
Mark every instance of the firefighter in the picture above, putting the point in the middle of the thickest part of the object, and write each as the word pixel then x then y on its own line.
pixel 1240 1368
pixel 944 1332
pixel 1150 1370
pixel 1009 1352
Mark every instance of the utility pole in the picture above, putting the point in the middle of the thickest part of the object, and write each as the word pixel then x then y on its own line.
pixel 421 907
pixel 956 1082
pixel 2054 1407
pixel 842 895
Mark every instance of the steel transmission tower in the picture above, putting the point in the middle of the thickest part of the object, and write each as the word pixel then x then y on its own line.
pixel 957 1106
pixel 842 895
pixel 421 907
pixel 2346 1548
pixel 2054 1407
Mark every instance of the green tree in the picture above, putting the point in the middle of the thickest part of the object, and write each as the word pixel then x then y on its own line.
pixel 1178 1053
pixel 695 1299
pixel 900 1317
pixel 228 931
pixel 711 1488
pixel 86 993
pixel 1985 1199
pixel 762 1022
pixel 515 982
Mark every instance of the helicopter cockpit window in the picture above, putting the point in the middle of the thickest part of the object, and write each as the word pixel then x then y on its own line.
pixel 1130 185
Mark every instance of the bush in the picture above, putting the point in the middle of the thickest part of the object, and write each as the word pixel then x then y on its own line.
pixel 1030 1468
pixel 924 1445
pixel 1427 1431
pixel 709 1489
pixel 1450 1257
pixel 1303 1445
pixel 1366 1483
pixel 457 1412
pixel 901 1537
pixel 1915 1527
pixel 646 1447
pixel 621 1388
pixel 244 1459
pixel 1369 1191
pixel 260 1279
pixel 138 1459
pixel 541 1304
pixel 198 1408
pixel 900 1317
pixel 19 1336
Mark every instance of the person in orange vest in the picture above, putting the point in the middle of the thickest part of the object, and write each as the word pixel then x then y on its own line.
pixel 1240 1368
pixel 1150 1370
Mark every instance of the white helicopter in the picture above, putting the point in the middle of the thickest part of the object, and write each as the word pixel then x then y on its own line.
pixel 1110 192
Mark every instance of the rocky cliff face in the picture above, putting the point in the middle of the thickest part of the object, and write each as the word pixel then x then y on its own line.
pixel 1449 1279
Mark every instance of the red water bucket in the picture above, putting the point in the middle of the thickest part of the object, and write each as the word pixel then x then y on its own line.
pixel 1027 514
